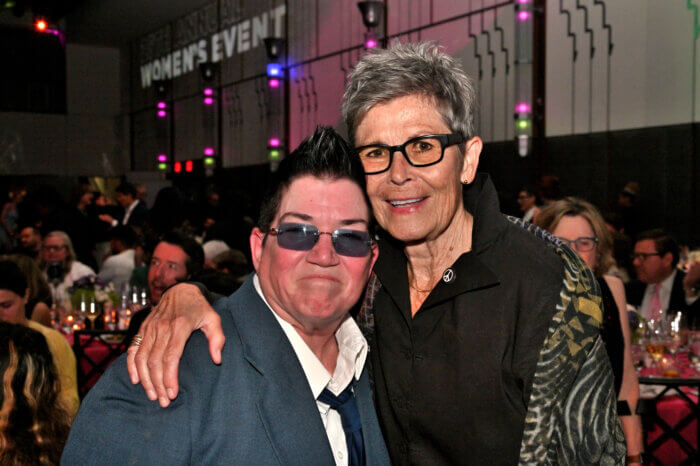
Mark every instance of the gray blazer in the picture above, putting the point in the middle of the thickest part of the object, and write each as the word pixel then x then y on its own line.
pixel 255 408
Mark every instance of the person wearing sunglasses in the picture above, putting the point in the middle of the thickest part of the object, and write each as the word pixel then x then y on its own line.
pixel 293 387
pixel 472 316
pixel 579 225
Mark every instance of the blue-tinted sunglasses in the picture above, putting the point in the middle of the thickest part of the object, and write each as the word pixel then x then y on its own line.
pixel 303 237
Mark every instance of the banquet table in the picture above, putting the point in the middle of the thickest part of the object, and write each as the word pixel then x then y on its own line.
pixel 671 429
pixel 94 352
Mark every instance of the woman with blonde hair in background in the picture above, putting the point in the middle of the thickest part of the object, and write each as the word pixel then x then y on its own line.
pixel 38 306
pixel 580 225
pixel 33 423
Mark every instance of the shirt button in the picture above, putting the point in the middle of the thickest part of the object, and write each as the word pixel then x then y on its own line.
pixel 340 455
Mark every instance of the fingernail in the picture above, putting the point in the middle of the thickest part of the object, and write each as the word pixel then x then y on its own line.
pixel 164 402
pixel 171 393
pixel 152 395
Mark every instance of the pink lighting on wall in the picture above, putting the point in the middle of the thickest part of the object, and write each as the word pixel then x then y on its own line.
pixel 208 151
pixel 522 108
pixel 208 101
pixel 524 15
pixel 273 142
pixel 523 2
pixel 370 43
pixel 208 91
pixel 162 158
pixel 162 105
pixel 274 83
pixel 162 113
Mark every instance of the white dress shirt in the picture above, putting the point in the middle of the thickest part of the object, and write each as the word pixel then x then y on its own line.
pixel 664 295
pixel 117 269
pixel 529 214
pixel 352 354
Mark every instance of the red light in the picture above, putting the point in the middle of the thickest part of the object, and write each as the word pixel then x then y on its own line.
pixel 188 166
pixel 177 168
pixel 40 25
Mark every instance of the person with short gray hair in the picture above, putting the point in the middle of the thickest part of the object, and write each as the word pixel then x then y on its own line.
pixel 484 330
pixel 59 263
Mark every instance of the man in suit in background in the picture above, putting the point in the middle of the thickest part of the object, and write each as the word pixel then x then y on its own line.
pixel 135 210
pixel 293 387
pixel 660 287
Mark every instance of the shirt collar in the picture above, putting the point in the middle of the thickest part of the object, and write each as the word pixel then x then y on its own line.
pixel 667 283
pixel 352 353
pixel 132 206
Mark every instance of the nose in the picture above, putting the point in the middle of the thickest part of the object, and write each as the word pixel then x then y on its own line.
pixel 323 253
pixel 399 171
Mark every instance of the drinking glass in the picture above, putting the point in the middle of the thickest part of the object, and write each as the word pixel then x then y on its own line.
pixel 656 339
pixel 92 312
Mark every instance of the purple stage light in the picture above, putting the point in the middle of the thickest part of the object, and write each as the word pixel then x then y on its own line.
pixel 522 108
pixel 524 15
pixel 274 83
pixel 162 113
pixel 208 91
pixel 370 43
pixel 208 101
pixel 162 158
pixel 208 151
pixel 162 104
pixel 273 142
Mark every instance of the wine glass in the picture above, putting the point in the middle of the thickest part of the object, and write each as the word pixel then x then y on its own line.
pixel 655 341
pixel 92 312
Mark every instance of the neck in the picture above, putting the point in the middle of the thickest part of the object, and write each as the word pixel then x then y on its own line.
pixel 323 344
pixel 428 259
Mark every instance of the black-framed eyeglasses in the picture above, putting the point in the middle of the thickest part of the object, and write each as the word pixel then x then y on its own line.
pixel 420 151
pixel 582 243
pixel 303 237
pixel 642 256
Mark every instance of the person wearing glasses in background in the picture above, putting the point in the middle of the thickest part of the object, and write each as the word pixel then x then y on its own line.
pixel 660 286
pixel 484 333
pixel 294 388
pixel 60 265
pixel 579 225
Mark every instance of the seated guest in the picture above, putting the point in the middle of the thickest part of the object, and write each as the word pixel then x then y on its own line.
pixel 30 242
pixel 135 210
pixel 117 268
pixel 38 306
pixel 60 266
pixel 13 296
pixel 580 225
pixel 213 248
pixel 33 423
pixel 660 285
pixel 176 258
pixel 234 263
pixel 294 388
pixel 528 204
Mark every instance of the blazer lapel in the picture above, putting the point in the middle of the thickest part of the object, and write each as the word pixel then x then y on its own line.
pixel 286 405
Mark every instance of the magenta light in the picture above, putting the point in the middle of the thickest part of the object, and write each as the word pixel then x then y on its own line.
pixel 523 2
pixel 208 101
pixel 274 142
pixel 208 151
pixel 162 105
pixel 524 15
pixel 162 113
pixel 208 91
pixel 370 43
pixel 275 83
pixel 522 108
pixel 162 158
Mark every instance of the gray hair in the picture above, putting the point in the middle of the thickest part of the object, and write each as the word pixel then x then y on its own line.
pixel 70 257
pixel 405 69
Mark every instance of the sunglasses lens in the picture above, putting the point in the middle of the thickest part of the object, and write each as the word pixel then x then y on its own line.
pixel 351 243
pixel 297 236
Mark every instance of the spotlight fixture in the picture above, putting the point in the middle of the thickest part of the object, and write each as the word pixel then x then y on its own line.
pixel 177 167
pixel 209 161
pixel 189 166
pixel 208 101
pixel 274 70
pixel 40 24
pixel 372 12
pixel 208 91
pixel 274 47
pixel 162 166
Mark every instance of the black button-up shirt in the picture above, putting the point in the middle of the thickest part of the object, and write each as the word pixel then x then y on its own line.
pixel 452 383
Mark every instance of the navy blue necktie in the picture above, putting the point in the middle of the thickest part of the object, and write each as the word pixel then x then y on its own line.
pixel 350 417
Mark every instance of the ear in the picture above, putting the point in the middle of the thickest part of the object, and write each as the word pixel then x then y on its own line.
pixel 668 260
pixel 375 255
pixel 256 246
pixel 472 153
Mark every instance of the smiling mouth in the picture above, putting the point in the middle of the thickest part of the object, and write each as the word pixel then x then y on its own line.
pixel 406 202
